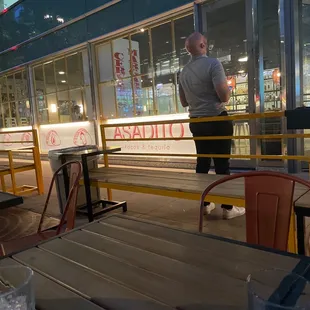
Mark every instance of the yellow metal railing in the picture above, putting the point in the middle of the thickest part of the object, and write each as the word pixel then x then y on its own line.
pixel 237 117
pixel 30 145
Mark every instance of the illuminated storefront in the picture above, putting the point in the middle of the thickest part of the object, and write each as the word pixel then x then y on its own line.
pixel 108 66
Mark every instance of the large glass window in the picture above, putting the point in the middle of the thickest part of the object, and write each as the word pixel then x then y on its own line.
pixel 306 51
pixel 62 89
pixel 14 100
pixel 271 54
pixel 226 33
pixel 271 90
pixel 164 71
pixel 225 28
pixel 138 73
pixel 142 72
pixel 181 31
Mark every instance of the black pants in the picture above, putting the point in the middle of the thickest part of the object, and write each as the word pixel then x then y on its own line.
pixel 222 128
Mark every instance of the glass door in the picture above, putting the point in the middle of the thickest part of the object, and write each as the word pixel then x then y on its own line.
pixel 245 36
pixel 271 77
pixel 224 23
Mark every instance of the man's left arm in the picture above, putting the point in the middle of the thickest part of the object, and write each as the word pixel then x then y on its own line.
pixel 182 96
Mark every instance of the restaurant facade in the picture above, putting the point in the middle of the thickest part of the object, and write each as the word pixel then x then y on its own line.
pixel 68 66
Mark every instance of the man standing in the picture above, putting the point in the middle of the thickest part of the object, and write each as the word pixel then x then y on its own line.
pixel 203 88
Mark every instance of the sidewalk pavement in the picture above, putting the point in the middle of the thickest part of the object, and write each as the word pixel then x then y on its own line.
pixel 178 213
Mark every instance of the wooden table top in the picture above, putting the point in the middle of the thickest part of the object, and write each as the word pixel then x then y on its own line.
pixel 186 182
pixel 107 150
pixel 124 263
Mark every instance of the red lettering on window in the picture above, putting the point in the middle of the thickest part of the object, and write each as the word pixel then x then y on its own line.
pixel 156 131
pixel 181 130
pixel 164 130
pixel 119 65
pixel 152 131
pixel 136 132
pixel 126 130
pixel 118 134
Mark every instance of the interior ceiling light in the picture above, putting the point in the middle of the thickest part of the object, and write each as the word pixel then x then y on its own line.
pixel 243 59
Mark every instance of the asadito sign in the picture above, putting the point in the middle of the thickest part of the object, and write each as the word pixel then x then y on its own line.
pixel 79 134
pixel 176 131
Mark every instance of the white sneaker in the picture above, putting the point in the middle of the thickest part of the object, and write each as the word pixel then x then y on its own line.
pixel 209 208
pixel 234 212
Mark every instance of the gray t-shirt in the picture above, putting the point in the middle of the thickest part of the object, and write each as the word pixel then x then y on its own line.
pixel 198 80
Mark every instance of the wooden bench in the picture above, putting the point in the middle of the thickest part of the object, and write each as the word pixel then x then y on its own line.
pixel 9 166
pixel 186 185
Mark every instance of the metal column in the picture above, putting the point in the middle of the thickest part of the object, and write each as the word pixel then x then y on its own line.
pixel 291 61
pixel 32 98
pixel 253 69
pixel 92 79
pixel 198 18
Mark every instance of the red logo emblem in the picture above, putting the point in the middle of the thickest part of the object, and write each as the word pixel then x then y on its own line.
pixel 7 139
pixel 52 138
pixel 82 137
pixel 26 137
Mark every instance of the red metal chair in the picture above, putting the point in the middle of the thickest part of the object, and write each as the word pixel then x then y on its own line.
pixel 269 201
pixel 67 221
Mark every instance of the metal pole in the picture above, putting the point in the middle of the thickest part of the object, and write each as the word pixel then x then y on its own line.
pixel 290 38
pixel 198 20
pixel 253 80
pixel 32 97
pixel 95 112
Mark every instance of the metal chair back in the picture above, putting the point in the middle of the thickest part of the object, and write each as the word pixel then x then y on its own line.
pixel 269 201
pixel 68 217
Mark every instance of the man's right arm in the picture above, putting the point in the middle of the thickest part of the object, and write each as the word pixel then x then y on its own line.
pixel 183 100
pixel 220 81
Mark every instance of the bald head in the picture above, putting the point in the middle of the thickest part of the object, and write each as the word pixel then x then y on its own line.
pixel 196 44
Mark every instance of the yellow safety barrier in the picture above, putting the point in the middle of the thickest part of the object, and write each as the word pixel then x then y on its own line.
pixel 28 144
pixel 238 117
pixel 212 119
